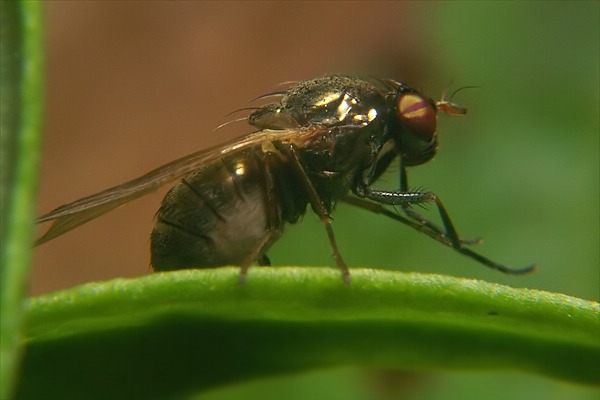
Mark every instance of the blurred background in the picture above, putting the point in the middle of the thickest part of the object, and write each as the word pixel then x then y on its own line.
pixel 134 85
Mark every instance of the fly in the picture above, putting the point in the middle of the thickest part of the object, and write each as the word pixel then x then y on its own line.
pixel 326 140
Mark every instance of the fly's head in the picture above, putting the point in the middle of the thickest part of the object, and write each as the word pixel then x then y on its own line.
pixel 413 121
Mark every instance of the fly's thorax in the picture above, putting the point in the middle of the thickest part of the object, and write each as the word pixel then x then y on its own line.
pixel 327 101
pixel 334 101
pixel 348 117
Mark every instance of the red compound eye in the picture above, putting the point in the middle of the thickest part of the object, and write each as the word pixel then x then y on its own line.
pixel 418 115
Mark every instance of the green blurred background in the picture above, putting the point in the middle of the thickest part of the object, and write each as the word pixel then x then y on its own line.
pixel 134 85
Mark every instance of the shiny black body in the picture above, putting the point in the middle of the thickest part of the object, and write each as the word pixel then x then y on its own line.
pixel 326 140
pixel 219 216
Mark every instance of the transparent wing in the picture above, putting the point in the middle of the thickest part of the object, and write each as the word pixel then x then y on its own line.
pixel 72 215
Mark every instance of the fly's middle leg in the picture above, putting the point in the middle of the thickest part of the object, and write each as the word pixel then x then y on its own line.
pixel 319 208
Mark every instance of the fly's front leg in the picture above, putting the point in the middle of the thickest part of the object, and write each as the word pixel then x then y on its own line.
pixel 319 208
pixel 378 208
pixel 424 221
pixel 406 199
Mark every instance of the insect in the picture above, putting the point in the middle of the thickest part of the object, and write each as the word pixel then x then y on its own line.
pixel 326 140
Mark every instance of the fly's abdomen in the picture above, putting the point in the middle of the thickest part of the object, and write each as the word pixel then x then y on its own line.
pixel 213 217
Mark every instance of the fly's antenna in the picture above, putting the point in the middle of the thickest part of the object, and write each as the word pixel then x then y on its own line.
pixel 446 106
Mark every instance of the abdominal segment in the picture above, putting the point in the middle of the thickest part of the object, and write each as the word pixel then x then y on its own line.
pixel 213 217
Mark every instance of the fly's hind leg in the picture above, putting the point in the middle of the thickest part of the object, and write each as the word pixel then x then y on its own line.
pixel 256 255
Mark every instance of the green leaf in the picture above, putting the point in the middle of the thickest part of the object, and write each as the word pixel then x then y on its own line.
pixel 171 334
pixel 22 96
